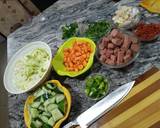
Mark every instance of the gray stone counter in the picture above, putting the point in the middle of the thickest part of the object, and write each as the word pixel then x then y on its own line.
pixel 46 27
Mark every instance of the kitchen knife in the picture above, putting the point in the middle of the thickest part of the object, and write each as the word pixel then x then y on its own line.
pixel 85 119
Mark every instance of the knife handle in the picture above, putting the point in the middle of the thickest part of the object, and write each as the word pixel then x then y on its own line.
pixel 72 124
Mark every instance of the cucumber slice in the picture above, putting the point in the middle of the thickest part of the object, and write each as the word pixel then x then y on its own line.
pixel 39 93
pixel 59 98
pixel 46 114
pixel 35 104
pixel 48 85
pixel 33 125
pixel 56 114
pixel 61 106
pixel 57 90
pixel 38 124
pixel 46 90
pixel 41 99
pixel 50 107
pixel 34 112
pixel 43 118
pixel 41 107
pixel 46 126
pixel 51 121
pixel 49 101
pixel 53 93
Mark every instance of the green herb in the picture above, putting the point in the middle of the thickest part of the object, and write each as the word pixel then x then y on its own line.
pixel 69 30
pixel 98 29
pixel 96 86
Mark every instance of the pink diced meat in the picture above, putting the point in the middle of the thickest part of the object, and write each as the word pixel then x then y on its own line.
pixel 135 47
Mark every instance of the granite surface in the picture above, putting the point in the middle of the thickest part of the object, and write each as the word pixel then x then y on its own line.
pixel 46 27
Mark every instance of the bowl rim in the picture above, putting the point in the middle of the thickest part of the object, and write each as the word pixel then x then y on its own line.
pixel 106 79
pixel 16 56
pixel 124 64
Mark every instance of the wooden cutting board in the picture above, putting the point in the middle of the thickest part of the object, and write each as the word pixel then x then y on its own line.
pixel 140 108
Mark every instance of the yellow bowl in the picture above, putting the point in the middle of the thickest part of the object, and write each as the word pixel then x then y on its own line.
pixel 31 98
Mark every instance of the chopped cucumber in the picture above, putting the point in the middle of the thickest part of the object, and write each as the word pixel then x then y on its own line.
pixel 46 126
pixel 39 93
pixel 42 99
pixel 35 104
pixel 38 123
pixel 46 90
pixel 46 114
pixel 53 93
pixel 49 101
pixel 57 90
pixel 56 114
pixel 47 107
pixel 51 121
pixel 41 108
pixel 33 125
pixel 48 85
pixel 59 98
pixel 34 112
pixel 61 106
pixel 50 107
pixel 43 118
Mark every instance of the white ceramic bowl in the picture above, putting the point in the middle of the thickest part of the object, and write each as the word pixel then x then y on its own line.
pixel 8 74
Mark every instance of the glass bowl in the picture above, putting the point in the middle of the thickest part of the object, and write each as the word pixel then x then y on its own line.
pixel 123 64
pixel 149 21
pixel 131 24
pixel 106 79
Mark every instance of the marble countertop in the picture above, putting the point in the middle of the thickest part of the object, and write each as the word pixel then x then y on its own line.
pixel 46 27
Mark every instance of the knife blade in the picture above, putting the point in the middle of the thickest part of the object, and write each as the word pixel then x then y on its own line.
pixel 100 108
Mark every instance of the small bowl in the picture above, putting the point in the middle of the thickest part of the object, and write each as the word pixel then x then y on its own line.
pixel 131 24
pixel 144 40
pixel 57 61
pixel 124 64
pixel 108 88
pixel 8 74
pixel 31 98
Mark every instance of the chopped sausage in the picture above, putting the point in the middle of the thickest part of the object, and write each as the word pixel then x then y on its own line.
pixel 117 41
pixel 129 52
pixel 113 57
pixel 110 45
pixel 101 46
pixel 127 42
pixel 120 57
pixel 127 58
pixel 108 53
pixel 116 50
pixel 102 52
pixel 114 33
pixel 110 62
pixel 102 58
pixel 135 47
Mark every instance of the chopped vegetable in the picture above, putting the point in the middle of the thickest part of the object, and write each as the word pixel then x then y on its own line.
pixel 76 58
pixel 126 15
pixel 96 86
pixel 48 106
pixel 30 68
pixel 98 29
pixel 69 30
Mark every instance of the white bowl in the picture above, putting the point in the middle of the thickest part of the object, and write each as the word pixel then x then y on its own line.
pixel 8 74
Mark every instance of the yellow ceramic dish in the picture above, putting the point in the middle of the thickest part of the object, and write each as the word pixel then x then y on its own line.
pixel 151 5
pixel 30 99
pixel 58 59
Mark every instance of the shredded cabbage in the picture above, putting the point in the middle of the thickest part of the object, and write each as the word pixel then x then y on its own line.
pixel 30 69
